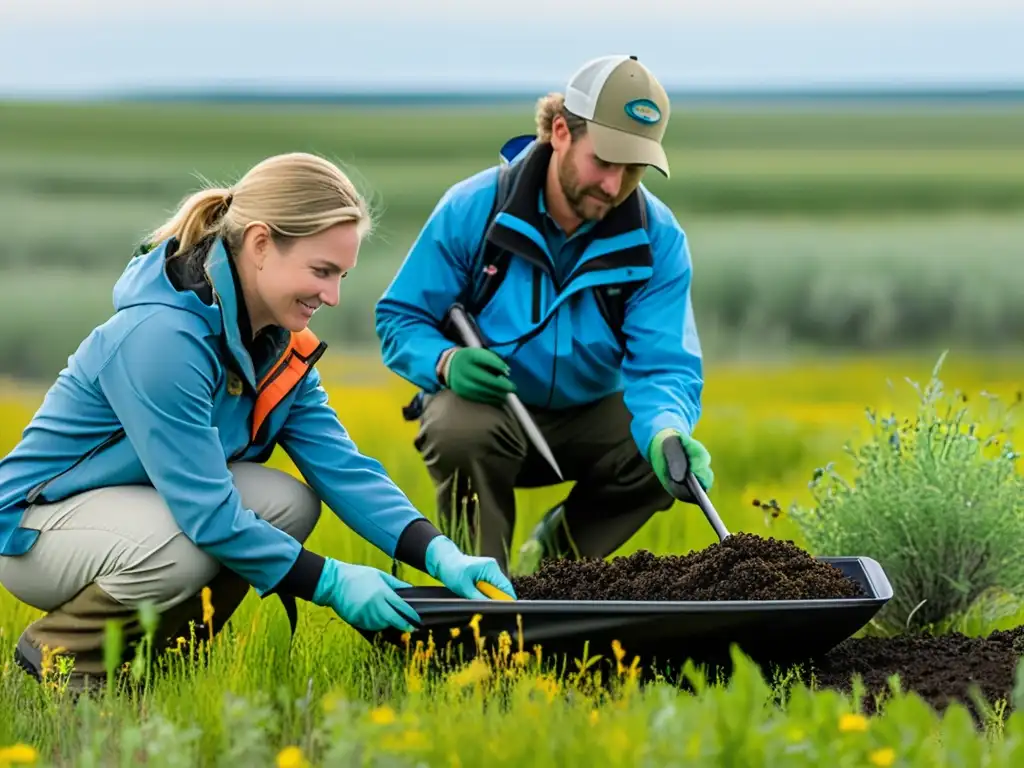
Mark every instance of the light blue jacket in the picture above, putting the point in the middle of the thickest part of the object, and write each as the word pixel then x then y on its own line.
pixel 576 358
pixel 157 370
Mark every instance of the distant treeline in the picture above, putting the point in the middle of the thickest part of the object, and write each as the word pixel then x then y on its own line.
pixel 895 96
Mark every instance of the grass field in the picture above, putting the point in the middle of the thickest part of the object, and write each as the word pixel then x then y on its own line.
pixel 767 427
pixel 835 253
pixel 857 229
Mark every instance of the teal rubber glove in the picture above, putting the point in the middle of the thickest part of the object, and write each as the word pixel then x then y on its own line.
pixel 697 454
pixel 479 375
pixel 460 572
pixel 364 597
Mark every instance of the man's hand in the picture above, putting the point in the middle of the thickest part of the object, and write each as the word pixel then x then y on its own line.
pixel 479 375
pixel 696 454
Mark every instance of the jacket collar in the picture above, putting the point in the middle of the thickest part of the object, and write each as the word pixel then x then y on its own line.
pixel 249 354
pixel 518 224
pixel 530 175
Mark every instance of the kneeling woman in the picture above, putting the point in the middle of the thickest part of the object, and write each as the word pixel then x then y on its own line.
pixel 141 476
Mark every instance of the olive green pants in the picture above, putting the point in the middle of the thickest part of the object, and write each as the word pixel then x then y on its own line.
pixel 478 455
pixel 102 553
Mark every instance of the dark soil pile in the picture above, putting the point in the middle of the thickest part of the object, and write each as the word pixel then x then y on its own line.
pixel 939 669
pixel 743 567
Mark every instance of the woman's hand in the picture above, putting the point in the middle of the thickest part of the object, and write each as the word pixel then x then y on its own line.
pixel 460 572
pixel 364 597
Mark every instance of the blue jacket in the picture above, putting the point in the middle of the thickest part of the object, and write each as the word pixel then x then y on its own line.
pixel 576 357
pixel 173 371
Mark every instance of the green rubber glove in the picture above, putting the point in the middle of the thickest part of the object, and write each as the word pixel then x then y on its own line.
pixel 700 459
pixel 479 375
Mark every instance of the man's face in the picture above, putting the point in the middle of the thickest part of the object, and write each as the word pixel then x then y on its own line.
pixel 591 185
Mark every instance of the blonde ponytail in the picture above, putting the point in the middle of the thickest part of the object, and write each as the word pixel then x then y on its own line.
pixel 295 194
pixel 198 217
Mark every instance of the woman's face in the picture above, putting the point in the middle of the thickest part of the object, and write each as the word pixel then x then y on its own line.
pixel 290 284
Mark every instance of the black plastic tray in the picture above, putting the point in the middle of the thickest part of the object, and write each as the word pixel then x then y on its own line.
pixel 659 631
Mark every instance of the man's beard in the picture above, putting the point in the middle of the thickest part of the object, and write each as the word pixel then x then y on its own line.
pixel 577 196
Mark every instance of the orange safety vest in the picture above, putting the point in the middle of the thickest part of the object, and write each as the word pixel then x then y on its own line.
pixel 298 358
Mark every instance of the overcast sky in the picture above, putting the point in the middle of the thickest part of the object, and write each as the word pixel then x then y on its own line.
pixel 57 47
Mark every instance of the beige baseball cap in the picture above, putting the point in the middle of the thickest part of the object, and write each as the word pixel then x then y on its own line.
pixel 626 108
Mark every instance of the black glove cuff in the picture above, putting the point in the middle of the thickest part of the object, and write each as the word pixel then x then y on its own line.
pixel 302 579
pixel 413 542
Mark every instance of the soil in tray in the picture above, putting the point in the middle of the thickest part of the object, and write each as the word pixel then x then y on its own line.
pixel 939 669
pixel 743 567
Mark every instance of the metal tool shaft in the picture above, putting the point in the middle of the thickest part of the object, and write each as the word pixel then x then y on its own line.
pixel 470 339
pixel 682 478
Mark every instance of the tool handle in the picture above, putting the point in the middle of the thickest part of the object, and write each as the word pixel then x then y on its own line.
pixel 492 591
pixel 680 477
pixel 468 332
pixel 460 319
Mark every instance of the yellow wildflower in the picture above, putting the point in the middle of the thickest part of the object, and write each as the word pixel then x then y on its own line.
pixel 474 624
pixel 620 654
pixel 593 717
pixel 207 606
pixel 504 645
pixel 382 715
pixel 883 757
pixel 853 723
pixel 18 754
pixel 431 647
pixel 290 757
pixel 47 661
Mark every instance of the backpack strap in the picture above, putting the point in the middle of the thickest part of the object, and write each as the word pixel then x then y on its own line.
pixel 491 262
pixel 490 265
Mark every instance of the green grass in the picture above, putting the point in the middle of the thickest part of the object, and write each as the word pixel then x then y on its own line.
pixel 761 284
pixel 858 228
pixel 767 427
pixel 525 719
pixel 827 230
pixel 725 161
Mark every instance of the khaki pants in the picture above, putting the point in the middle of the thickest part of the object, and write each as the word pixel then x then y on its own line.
pixel 475 449
pixel 102 553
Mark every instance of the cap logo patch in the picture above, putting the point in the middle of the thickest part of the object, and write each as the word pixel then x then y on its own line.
pixel 643 111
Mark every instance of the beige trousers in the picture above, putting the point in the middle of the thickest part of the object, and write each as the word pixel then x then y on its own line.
pixel 104 552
